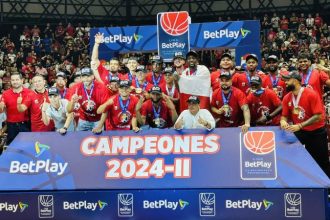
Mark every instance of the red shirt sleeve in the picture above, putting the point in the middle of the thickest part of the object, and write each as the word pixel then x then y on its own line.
pixel 316 103
pixel 241 98
pixel 323 77
pixel 144 109
pixel 285 107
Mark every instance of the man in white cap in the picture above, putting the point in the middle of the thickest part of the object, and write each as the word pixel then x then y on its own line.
pixel 194 116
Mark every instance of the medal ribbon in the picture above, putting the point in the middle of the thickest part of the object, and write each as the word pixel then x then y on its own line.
pixel 122 106
pixel 295 101
pixel 90 93
pixel 224 99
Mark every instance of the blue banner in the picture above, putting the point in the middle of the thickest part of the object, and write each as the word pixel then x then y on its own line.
pixel 172 34
pixel 272 204
pixel 212 35
pixel 158 159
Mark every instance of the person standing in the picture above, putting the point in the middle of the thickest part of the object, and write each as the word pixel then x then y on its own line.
pixel 158 111
pixel 88 95
pixel 57 112
pixel 34 103
pixel 16 121
pixel 304 107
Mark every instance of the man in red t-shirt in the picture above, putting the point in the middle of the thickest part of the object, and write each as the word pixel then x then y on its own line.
pixel 278 85
pixel 113 86
pixel 264 104
pixel 100 72
pixel 140 86
pixel 226 65
pixel 157 112
pixel 242 81
pixel 312 78
pixel 88 95
pixel 229 104
pixel 120 110
pixel 169 88
pixel 34 103
pixel 304 107
pixel 16 121
pixel 156 77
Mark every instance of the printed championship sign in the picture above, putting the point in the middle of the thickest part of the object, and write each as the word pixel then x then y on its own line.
pixel 155 159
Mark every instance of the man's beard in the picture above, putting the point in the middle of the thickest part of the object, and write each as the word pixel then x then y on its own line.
pixel 290 88
pixel 155 101
pixel 225 88
pixel 273 68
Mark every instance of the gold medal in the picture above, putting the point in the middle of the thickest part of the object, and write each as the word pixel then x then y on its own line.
pixel 138 90
pixel 296 110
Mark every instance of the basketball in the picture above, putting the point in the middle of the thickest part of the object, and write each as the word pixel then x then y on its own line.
pixel 259 142
pixel 176 23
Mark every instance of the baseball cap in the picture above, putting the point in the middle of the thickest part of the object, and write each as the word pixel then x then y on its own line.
pixel 192 53
pixel 124 83
pixel 114 79
pixel 156 89
pixel 193 99
pixel 226 55
pixel 292 75
pixel 225 75
pixel 178 55
pixel 256 80
pixel 156 59
pixel 141 68
pixel 252 56
pixel 272 57
pixel 60 74
pixel 86 71
pixel 53 91
pixel 168 70
pixel 78 73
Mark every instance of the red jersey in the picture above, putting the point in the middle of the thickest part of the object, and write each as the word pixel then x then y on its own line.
pixel 233 116
pixel 140 88
pixel 34 102
pixel 242 81
pixel 63 92
pixel 118 118
pixel 215 79
pixel 315 80
pixel 157 117
pixel 309 105
pixel 105 75
pixel 277 84
pixel 9 97
pixel 264 105
pixel 153 79
pixel 88 106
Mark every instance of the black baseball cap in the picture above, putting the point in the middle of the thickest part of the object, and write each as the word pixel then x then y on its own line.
pixel 53 91
pixel 114 79
pixel 168 70
pixel 141 68
pixel 226 55
pixel 256 80
pixel 272 57
pixel 192 53
pixel 178 55
pixel 226 75
pixel 252 56
pixel 156 89
pixel 156 59
pixel 292 75
pixel 124 83
pixel 193 99
pixel 86 71
pixel 61 74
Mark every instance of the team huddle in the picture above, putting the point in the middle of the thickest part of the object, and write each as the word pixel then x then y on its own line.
pixel 180 95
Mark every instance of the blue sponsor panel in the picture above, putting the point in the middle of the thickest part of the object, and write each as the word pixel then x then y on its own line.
pixel 172 34
pixel 182 204
pixel 158 159
pixel 236 34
